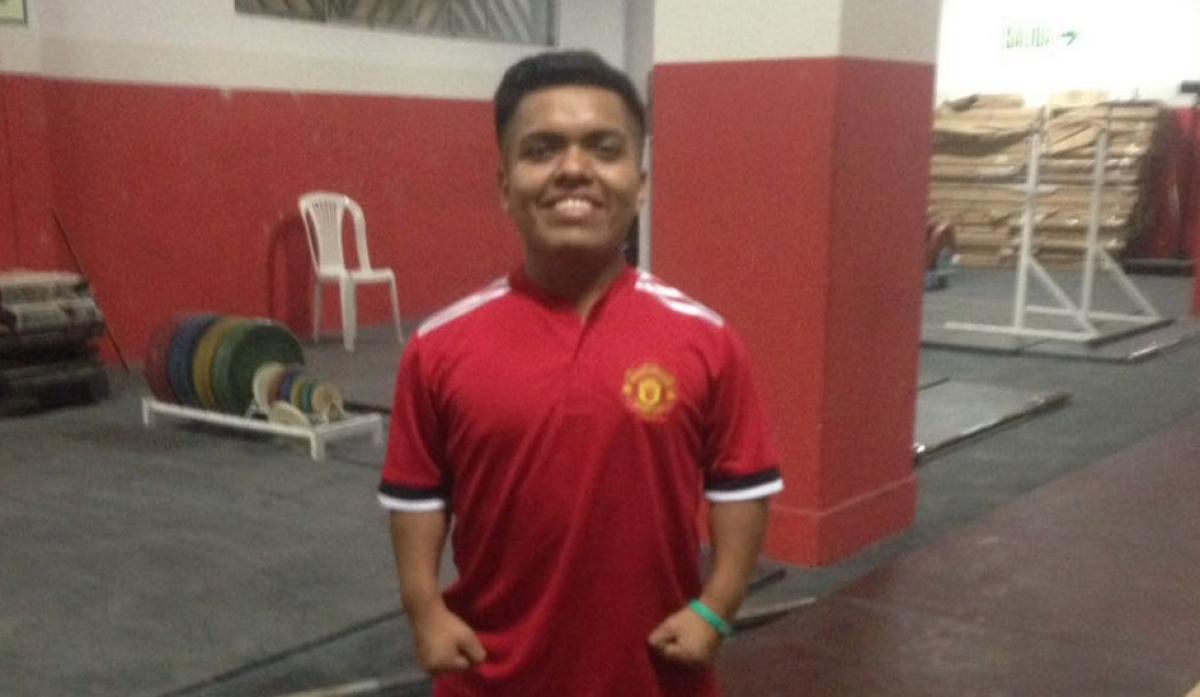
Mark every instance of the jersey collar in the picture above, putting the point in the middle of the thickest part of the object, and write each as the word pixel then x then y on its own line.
pixel 520 282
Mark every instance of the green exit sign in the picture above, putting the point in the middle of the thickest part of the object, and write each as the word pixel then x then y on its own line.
pixel 1037 36
pixel 12 11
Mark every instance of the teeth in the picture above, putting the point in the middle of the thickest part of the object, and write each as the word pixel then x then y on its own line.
pixel 573 206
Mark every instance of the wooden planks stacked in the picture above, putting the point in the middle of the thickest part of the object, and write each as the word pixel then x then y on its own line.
pixel 981 156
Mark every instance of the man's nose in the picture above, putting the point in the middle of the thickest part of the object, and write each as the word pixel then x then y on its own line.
pixel 575 162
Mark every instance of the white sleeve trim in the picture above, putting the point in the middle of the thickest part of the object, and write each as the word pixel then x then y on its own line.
pixel 749 494
pixel 498 289
pixel 411 505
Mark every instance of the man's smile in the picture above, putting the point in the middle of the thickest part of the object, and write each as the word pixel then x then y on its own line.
pixel 573 208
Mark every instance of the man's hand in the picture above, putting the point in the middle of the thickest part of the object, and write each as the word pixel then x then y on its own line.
pixel 686 638
pixel 445 644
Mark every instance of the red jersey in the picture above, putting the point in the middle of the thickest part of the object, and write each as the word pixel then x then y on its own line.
pixel 573 455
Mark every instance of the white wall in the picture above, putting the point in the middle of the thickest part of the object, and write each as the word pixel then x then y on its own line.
pixel 20 47
pixel 723 30
pixel 206 42
pixel 595 24
pixel 1143 48
pixel 639 42
pixel 720 30
pixel 898 30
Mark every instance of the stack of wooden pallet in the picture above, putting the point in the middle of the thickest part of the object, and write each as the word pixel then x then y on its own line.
pixel 980 166
pixel 49 322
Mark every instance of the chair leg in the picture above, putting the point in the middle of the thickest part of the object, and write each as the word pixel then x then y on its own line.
pixel 316 311
pixel 349 314
pixel 396 310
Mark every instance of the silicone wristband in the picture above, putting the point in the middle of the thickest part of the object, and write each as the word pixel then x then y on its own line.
pixel 711 617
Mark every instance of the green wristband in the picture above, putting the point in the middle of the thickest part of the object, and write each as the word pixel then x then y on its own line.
pixel 711 617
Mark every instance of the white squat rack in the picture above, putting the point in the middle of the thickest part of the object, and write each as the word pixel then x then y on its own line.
pixel 318 435
pixel 1081 313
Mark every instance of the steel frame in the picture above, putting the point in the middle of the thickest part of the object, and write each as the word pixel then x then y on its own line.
pixel 318 435
pixel 1082 313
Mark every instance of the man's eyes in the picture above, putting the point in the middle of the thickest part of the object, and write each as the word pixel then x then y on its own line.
pixel 609 148
pixel 538 151
pixel 605 147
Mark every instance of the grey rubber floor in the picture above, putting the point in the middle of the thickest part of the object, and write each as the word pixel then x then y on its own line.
pixel 190 561
pixel 950 412
pixel 137 561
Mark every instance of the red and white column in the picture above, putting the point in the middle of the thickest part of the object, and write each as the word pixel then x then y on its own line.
pixel 791 159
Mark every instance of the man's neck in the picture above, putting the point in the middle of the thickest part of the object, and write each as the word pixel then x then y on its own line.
pixel 575 280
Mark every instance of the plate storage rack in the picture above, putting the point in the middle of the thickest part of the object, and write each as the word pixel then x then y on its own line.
pixel 246 374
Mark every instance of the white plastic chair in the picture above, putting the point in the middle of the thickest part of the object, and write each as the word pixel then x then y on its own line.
pixel 323 213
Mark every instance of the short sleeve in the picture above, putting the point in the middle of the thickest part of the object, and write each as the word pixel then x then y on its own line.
pixel 414 476
pixel 741 464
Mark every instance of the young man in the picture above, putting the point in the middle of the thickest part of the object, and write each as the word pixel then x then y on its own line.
pixel 568 418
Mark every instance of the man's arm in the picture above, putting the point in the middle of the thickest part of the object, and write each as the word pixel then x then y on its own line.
pixel 737 529
pixel 444 642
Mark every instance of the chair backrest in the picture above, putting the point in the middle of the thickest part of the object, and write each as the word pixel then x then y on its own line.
pixel 323 213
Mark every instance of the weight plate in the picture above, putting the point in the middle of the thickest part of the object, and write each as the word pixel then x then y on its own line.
pixel 222 378
pixel 157 376
pixel 306 404
pixel 327 402
pixel 288 415
pixel 273 387
pixel 182 353
pixel 241 355
pixel 290 376
pixel 266 381
pixel 202 364
pixel 297 396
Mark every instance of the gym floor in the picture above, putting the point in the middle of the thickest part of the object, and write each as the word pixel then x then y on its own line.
pixel 1054 556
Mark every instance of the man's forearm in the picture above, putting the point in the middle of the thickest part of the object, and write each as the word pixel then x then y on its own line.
pixel 417 539
pixel 737 530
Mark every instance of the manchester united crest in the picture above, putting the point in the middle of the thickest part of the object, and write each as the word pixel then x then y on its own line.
pixel 650 391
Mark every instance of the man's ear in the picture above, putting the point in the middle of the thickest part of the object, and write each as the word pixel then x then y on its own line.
pixel 502 187
pixel 641 194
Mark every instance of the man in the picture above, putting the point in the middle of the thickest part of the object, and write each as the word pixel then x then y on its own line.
pixel 568 418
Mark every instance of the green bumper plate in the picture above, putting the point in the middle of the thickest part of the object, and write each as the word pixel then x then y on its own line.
pixel 241 353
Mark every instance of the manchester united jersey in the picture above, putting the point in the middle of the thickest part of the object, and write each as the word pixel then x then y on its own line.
pixel 573 455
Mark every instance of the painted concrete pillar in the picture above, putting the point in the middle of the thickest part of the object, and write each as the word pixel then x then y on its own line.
pixel 791 158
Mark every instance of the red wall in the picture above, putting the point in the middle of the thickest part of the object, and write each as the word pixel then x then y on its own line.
pixel 179 198
pixel 791 195
pixel 27 232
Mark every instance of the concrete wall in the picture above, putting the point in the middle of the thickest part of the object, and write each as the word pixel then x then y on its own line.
pixel 172 137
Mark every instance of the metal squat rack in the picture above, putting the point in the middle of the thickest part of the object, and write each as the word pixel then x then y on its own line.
pixel 318 435
pixel 1081 314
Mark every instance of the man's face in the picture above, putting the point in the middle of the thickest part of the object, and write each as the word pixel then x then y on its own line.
pixel 571 177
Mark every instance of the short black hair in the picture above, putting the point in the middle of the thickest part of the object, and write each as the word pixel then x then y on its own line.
pixel 563 68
